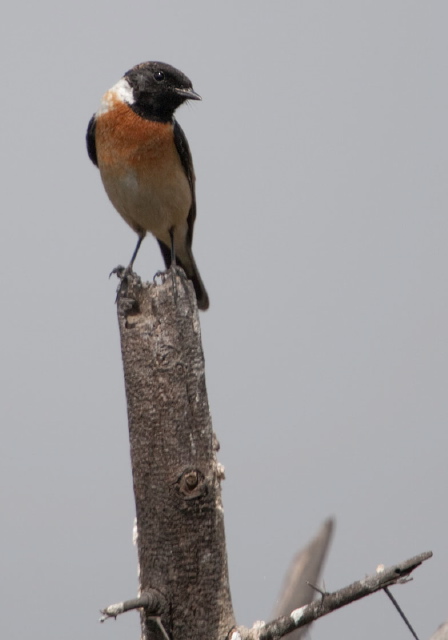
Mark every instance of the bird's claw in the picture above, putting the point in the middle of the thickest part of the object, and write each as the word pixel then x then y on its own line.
pixel 121 272
pixel 160 274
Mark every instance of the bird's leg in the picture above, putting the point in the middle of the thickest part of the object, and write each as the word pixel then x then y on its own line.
pixel 173 253
pixel 134 255
pixel 173 264
pixel 123 272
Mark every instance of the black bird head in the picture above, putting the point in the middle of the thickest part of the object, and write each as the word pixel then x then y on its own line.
pixel 158 89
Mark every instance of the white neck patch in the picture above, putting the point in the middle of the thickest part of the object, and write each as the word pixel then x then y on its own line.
pixel 120 92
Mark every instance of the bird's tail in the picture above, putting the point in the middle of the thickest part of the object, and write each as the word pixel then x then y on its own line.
pixel 188 264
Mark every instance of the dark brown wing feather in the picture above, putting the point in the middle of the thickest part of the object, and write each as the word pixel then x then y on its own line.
pixel 183 149
pixel 190 267
pixel 90 140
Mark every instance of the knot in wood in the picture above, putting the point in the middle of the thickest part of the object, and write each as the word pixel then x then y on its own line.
pixel 191 484
pixel 131 311
pixel 191 480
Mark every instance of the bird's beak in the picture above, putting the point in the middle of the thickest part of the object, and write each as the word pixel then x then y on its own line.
pixel 188 94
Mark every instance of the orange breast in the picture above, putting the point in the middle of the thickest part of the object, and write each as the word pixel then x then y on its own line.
pixel 125 139
pixel 142 171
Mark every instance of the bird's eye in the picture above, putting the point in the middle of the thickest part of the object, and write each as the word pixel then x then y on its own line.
pixel 159 76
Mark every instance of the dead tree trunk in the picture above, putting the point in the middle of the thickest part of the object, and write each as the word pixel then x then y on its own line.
pixel 184 588
pixel 180 524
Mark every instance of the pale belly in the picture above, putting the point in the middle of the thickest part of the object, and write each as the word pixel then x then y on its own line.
pixel 156 197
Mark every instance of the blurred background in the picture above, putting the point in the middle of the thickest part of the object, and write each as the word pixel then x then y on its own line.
pixel 320 150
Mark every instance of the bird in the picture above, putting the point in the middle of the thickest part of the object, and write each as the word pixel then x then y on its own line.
pixel 146 164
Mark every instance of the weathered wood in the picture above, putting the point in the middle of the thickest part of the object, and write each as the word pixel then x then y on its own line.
pixel 149 600
pixel 181 543
pixel 329 602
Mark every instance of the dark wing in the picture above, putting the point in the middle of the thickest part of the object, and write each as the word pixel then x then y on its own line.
pixel 188 263
pixel 90 139
pixel 183 149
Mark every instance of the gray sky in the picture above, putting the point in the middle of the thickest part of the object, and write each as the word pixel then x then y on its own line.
pixel 320 150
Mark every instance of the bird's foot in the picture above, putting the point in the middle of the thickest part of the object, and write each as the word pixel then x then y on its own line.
pixel 162 275
pixel 172 272
pixel 178 271
pixel 126 277
pixel 121 272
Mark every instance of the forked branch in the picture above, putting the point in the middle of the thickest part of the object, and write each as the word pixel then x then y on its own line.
pixel 330 601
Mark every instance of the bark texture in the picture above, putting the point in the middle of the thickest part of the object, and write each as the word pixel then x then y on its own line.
pixel 180 524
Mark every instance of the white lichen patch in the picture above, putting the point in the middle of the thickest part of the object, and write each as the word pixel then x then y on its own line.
pixel 297 614
pixel 221 471
pixel 114 610
pixel 192 445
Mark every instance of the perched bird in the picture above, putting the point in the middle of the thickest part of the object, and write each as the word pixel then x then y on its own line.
pixel 145 161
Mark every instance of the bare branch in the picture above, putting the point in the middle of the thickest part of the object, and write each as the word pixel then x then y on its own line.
pixel 308 613
pixel 151 601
